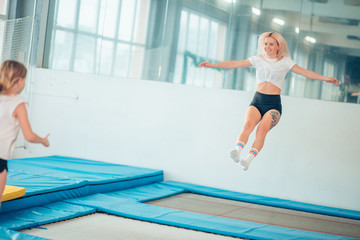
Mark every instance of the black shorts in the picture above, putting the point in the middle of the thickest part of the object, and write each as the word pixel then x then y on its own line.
pixel 265 102
pixel 3 165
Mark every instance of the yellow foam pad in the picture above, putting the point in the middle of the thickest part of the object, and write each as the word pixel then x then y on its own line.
pixel 12 192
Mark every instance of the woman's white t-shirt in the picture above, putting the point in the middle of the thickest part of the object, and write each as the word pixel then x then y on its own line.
pixel 271 69
pixel 9 126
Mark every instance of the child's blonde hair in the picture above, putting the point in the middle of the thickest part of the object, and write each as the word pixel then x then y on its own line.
pixel 10 73
pixel 283 47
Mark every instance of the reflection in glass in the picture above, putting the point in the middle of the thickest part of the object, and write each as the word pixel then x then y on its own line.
pixel 127 15
pixel 84 54
pixel 88 15
pixel 108 18
pixel 61 51
pixel 105 50
pixel 66 13
pixel 165 40
pixel 3 7
pixel 122 60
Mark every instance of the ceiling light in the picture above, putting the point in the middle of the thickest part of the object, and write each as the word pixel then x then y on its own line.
pixel 256 11
pixel 297 30
pixel 278 21
pixel 230 1
pixel 310 39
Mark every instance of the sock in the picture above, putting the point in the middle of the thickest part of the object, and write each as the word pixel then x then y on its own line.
pixel 245 163
pixel 235 154
pixel 239 146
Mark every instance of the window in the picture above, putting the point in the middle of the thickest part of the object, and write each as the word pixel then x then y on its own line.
pixel 201 38
pixel 329 91
pixel 101 37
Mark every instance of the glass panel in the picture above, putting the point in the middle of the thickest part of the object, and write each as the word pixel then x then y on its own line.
pixel 88 16
pixel 193 31
pixel 142 15
pixel 3 7
pixel 166 41
pixel 61 51
pixel 328 35
pixel 108 18
pixel 127 19
pixel 66 13
pixel 106 52
pixel 84 54
pixel 137 62
pixel 122 60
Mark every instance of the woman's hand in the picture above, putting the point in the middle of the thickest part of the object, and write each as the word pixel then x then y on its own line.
pixel 207 64
pixel 333 81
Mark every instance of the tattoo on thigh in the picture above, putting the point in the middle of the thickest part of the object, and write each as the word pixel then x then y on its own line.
pixel 275 115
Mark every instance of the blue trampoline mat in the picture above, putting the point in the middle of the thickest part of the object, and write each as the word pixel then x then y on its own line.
pixel 63 190
pixel 54 178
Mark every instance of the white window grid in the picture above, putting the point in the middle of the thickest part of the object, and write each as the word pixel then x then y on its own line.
pixel 101 41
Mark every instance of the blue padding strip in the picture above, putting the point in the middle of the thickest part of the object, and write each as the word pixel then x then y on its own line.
pixel 51 179
pixel 38 200
pixel 131 208
pixel 35 184
pixel 148 193
pixel 7 234
pixel 33 217
pixel 94 172
pixel 275 202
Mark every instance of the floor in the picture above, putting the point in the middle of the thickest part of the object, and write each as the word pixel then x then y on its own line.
pixel 109 227
pixel 262 214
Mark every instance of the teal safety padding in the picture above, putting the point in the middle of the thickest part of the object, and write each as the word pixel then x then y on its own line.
pixel 7 234
pixel 147 193
pixel 274 202
pixel 55 178
pixel 127 205
pixel 94 172
pixel 35 183
pixel 33 217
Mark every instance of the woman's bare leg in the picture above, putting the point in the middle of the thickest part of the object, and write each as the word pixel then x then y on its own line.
pixel 269 120
pixel 252 118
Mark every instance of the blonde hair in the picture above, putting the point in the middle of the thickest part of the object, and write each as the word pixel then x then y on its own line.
pixel 10 73
pixel 283 47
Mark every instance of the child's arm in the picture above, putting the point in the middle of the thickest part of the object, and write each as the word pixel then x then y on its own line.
pixel 227 64
pixel 21 114
pixel 313 75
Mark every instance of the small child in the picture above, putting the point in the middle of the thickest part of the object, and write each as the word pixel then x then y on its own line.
pixel 13 115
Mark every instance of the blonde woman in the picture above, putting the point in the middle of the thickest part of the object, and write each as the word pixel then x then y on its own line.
pixel 265 109
pixel 13 115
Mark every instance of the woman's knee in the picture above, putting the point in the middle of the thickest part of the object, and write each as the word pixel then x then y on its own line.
pixel 248 127
pixel 262 130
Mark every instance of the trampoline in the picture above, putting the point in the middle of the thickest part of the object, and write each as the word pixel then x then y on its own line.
pixel 61 188
pixel 262 214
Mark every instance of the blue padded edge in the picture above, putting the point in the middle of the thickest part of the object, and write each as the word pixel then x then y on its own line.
pixel 91 171
pixel 275 202
pixel 7 234
pixel 34 217
pixel 41 199
pixel 54 178
pixel 127 204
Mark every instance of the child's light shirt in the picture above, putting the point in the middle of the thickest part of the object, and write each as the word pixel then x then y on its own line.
pixel 9 126
pixel 271 70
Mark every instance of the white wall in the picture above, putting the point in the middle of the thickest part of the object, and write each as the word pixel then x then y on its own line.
pixel 311 156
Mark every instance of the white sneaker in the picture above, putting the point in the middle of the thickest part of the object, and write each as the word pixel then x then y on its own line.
pixel 235 155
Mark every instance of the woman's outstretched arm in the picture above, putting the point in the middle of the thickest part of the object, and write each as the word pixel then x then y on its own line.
pixel 227 64
pixel 313 75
